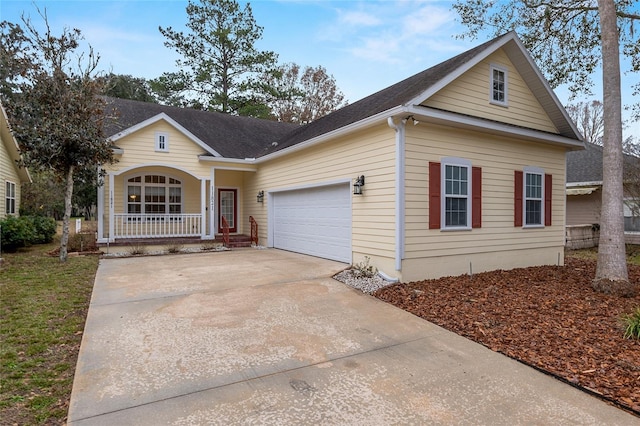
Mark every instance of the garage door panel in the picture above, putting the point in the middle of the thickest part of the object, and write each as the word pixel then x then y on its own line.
pixel 314 221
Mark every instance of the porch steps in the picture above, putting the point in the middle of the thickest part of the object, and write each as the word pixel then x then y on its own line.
pixel 236 241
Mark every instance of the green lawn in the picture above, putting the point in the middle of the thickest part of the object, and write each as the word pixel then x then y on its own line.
pixel 43 306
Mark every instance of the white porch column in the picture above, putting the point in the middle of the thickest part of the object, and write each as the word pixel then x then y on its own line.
pixel 111 181
pixel 203 208
pixel 101 211
pixel 212 204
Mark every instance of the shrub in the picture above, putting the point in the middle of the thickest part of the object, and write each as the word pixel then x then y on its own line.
pixel 632 324
pixel 364 269
pixel 173 248
pixel 44 228
pixel 16 232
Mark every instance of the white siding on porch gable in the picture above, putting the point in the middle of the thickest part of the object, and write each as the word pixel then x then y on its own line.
pixel 469 94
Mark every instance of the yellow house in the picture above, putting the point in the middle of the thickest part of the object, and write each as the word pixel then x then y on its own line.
pixel 11 175
pixel 457 169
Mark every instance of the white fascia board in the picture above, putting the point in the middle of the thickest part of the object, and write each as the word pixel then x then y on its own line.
pixel 579 184
pixel 117 151
pixel 460 70
pixel 380 117
pixel 172 122
pixel 238 164
pixel 548 88
pixel 465 121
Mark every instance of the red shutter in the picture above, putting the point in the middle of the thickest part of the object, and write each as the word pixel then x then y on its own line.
pixel 517 206
pixel 548 191
pixel 434 195
pixel 476 197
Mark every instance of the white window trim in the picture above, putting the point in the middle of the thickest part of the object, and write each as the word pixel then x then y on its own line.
pixel 460 162
pixel 503 69
pixel 166 141
pixel 142 185
pixel 8 197
pixel 535 171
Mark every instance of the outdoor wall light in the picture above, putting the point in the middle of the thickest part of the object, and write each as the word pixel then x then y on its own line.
pixel 357 185
pixel 260 196
pixel 412 118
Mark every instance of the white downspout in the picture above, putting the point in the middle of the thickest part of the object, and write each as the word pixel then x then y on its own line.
pixel 400 193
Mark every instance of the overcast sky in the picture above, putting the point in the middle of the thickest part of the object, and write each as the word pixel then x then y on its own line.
pixel 365 45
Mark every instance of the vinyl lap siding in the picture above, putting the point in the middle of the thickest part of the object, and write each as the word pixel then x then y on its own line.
pixel 498 158
pixel 139 148
pixel 469 94
pixel 370 153
pixel 584 209
pixel 7 173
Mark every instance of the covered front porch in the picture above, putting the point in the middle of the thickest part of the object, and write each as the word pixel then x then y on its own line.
pixel 161 202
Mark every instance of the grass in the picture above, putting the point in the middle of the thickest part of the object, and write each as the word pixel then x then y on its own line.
pixel 43 307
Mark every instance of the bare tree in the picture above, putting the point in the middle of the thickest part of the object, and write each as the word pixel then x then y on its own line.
pixel 589 117
pixel 302 95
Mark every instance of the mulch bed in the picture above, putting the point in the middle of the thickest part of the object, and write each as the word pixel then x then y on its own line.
pixel 548 317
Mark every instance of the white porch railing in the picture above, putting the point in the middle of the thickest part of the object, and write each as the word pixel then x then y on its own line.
pixel 157 225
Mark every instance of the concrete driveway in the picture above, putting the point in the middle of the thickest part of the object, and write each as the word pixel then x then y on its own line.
pixel 268 337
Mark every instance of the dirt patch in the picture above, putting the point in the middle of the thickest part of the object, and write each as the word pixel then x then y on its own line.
pixel 547 317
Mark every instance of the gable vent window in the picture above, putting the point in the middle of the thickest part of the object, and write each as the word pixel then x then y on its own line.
pixel 162 142
pixel 499 85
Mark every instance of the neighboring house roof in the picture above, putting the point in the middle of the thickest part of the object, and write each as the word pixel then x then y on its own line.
pixel 12 146
pixel 242 137
pixel 584 168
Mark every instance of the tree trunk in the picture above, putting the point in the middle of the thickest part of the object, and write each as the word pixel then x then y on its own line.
pixel 67 215
pixel 611 272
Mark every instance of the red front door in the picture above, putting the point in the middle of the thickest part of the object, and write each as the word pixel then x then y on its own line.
pixel 228 207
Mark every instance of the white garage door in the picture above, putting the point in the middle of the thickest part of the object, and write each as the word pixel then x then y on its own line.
pixel 314 221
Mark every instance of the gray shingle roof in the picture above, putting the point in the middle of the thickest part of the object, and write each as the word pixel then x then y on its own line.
pixel 230 136
pixel 386 99
pixel 585 165
pixel 244 137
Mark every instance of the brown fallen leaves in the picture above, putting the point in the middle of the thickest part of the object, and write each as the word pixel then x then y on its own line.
pixel 548 317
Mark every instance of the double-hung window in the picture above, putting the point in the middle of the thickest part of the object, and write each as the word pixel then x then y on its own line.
pixel 499 85
pixel 10 198
pixel 456 194
pixel 533 198
pixel 533 190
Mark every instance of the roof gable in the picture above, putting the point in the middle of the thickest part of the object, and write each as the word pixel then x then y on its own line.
pixel 11 145
pixel 164 117
pixel 414 90
pixel 221 135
